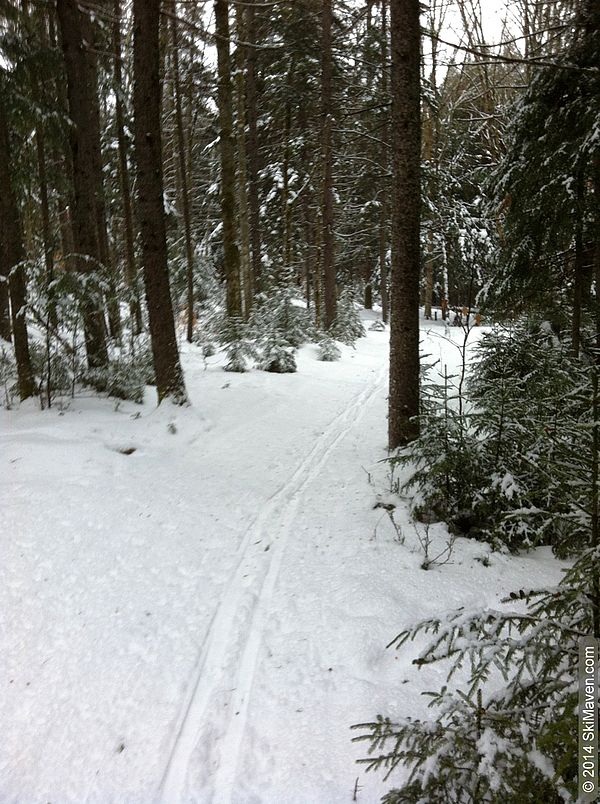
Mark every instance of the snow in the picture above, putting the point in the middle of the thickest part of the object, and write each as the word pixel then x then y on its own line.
pixel 204 618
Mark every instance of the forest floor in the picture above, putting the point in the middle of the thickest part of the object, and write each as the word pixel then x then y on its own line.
pixel 195 603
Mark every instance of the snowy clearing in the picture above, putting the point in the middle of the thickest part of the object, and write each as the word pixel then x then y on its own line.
pixel 194 604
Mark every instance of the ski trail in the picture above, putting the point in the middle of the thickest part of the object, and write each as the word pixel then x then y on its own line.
pixel 231 741
pixel 211 665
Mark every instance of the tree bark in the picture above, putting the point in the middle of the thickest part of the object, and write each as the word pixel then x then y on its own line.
pixel 592 21
pixel 245 266
pixel 406 203
pixel 130 266
pixel 227 150
pixel 5 328
pixel 286 209
pixel 252 151
pixel 85 237
pixel 183 175
pixel 92 43
pixel 148 153
pixel 383 210
pixel 307 210
pixel 12 254
pixel 46 231
pixel 328 256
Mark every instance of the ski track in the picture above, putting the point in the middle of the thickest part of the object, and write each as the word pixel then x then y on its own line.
pixel 211 668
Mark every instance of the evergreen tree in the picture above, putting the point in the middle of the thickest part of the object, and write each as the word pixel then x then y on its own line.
pixel 406 260
pixel 169 376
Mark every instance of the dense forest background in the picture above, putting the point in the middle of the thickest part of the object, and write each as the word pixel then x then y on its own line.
pixel 247 176
pixel 271 127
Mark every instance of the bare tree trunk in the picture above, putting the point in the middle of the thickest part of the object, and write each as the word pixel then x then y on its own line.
pixel 245 267
pixel 595 513
pixel 286 211
pixel 91 44
pixel 148 152
pixel 183 176
pixel 12 254
pixel 368 273
pixel 62 156
pixel 318 272
pixel 67 243
pixel 307 211
pixel 227 144
pixel 383 210
pixel 130 266
pixel 309 245
pixel 79 94
pixel 252 152
pixel 46 232
pixel 406 156
pixel 5 329
pixel 328 256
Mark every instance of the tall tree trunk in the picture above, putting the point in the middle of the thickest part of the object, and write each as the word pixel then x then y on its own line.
pixel 318 272
pixel 406 156
pixel 79 94
pixel 92 39
pixel 307 211
pixel 595 513
pixel 227 147
pixel 286 211
pixel 252 150
pixel 328 256
pixel 383 209
pixel 62 156
pixel 368 275
pixel 12 254
pixel 245 266
pixel 183 176
pixel 130 266
pixel 148 153
pixel 46 232
pixel 5 328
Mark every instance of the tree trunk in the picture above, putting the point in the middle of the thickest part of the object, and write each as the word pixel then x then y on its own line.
pixel 368 275
pixel 183 175
pixel 5 328
pixel 92 43
pixel 595 513
pixel 148 153
pixel 318 272
pixel 252 152
pixel 79 95
pixel 383 209
pixel 62 156
pixel 307 211
pixel 286 210
pixel 328 256
pixel 245 266
pixel 406 156
pixel 12 254
pixel 227 148
pixel 46 232
pixel 130 266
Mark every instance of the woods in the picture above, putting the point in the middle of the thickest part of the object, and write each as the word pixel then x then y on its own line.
pixel 300 253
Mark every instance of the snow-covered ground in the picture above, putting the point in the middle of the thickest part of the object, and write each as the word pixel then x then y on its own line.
pixel 194 604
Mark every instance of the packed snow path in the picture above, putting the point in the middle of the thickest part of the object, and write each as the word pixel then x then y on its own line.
pixel 194 604
pixel 241 615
